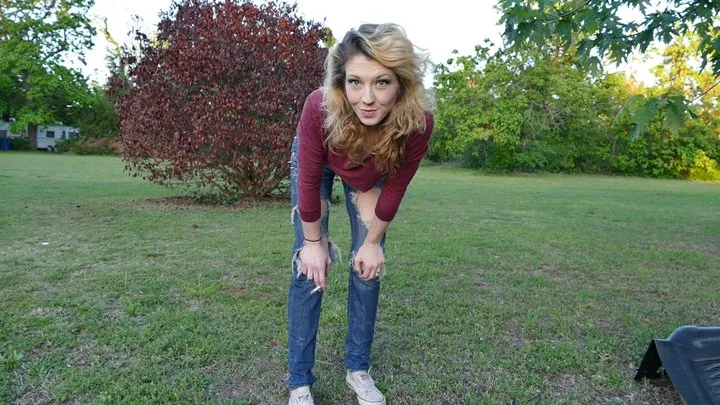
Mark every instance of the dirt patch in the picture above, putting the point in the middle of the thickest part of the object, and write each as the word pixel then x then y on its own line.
pixel 235 387
pixel 261 281
pixel 234 280
pixel 46 312
pixel 546 270
pixel 39 350
pixel 210 370
pixel 193 305
pixel 714 250
pixel 256 382
pixel 116 359
pixel 577 388
pixel 659 391
pixel 35 396
pixel 611 327
pixel 482 284
pixel 563 385
pixel 83 356
pixel 709 250
pixel 236 283
pixel 515 336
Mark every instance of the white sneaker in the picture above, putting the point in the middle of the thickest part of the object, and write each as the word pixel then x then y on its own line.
pixel 301 396
pixel 365 389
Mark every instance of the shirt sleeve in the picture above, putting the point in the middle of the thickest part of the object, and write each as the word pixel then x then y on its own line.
pixel 311 157
pixel 394 188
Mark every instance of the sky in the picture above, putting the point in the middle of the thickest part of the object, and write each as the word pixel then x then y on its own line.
pixel 451 24
pixel 458 24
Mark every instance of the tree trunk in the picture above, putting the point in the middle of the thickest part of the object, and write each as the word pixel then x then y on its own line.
pixel 32 135
pixel 31 129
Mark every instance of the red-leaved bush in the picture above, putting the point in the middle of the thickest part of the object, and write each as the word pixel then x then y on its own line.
pixel 214 100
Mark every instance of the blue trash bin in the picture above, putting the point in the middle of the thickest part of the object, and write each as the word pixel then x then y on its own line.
pixel 5 144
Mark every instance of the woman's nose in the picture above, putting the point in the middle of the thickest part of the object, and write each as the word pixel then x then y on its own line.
pixel 368 98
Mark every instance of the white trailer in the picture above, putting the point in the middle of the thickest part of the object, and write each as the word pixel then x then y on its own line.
pixel 47 135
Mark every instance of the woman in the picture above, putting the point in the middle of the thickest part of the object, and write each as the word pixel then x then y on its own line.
pixel 370 124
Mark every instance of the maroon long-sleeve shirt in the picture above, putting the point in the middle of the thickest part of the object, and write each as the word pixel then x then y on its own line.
pixel 312 155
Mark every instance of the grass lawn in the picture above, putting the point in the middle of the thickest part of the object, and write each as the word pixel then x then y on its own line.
pixel 500 289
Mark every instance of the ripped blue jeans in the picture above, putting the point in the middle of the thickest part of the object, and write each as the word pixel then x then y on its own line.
pixel 304 307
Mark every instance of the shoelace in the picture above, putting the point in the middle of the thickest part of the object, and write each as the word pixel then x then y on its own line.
pixel 303 399
pixel 366 381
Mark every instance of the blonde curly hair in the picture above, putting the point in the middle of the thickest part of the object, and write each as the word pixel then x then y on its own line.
pixel 388 45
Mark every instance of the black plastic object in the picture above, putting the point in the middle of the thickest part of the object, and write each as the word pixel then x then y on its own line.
pixel 691 358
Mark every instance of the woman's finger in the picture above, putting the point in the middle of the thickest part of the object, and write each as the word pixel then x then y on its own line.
pixel 361 269
pixel 380 269
pixel 320 277
pixel 372 273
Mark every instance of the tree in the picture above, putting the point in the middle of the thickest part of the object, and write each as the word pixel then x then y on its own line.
pixel 679 72
pixel 214 98
pixel 595 29
pixel 35 39
pixel 691 151
pixel 99 119
pixel 519 111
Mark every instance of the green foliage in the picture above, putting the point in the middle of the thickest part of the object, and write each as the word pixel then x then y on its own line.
pixel 518 111
pixel 663 154
pixel 678 75
pixel 704 168
pixel 99 119
pixel 594 29
pixel 641 110
pixel 533 110
pixel 35 39
pixel 12 360
pixel 83 145
pixel 20 143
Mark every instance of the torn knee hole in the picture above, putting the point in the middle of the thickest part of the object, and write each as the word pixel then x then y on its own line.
pixel 365 205
pixel 324 210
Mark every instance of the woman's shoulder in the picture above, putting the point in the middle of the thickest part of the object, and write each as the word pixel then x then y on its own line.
pixel 429 125
pixel 420 138
pixel 315 99
pixel 314 106
pixel 429 120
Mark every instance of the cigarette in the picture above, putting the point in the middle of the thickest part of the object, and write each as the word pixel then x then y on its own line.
pixel 315 290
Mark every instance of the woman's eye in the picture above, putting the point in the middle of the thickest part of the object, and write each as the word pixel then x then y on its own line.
pixel 383 83
pixel 353 82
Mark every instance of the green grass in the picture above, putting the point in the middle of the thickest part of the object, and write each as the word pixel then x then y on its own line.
pixel 534 289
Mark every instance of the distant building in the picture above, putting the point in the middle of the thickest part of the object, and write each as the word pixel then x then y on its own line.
pixel 6 133
pixel 47 135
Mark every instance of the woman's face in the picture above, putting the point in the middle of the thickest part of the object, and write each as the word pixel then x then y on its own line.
pixel 371 89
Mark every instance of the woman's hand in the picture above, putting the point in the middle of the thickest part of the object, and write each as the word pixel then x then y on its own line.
pixel 369 261
pixel 316 262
